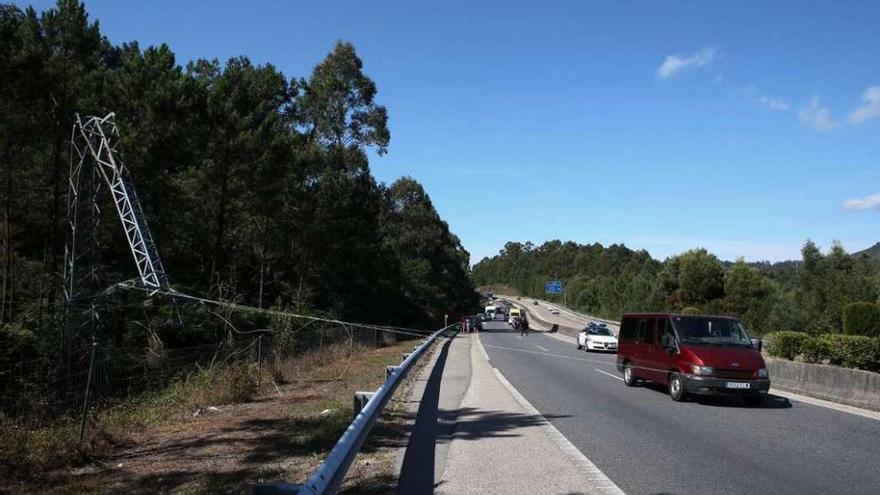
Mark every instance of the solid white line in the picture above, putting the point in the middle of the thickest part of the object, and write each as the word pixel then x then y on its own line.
pixel 539 347
pixel 865 413
pixel 601 483
pixel 606 363
pixel 482 349
pixel 609 374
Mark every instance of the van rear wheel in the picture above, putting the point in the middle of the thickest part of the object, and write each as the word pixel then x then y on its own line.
pixel 676 388
pixel 629 376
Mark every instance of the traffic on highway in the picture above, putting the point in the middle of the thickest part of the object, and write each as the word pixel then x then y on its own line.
pixel 713 437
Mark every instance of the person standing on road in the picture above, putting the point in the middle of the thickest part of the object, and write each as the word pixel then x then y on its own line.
pixel 523 326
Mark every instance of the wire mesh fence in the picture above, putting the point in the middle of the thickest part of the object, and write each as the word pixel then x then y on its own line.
pixel 36 390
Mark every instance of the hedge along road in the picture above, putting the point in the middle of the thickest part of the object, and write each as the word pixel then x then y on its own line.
pixel 648 444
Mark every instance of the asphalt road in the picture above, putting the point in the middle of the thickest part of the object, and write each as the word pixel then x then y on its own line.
pixel 565 317
pixel 648 444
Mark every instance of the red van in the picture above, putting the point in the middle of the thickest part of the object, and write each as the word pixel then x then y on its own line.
pixel 692 354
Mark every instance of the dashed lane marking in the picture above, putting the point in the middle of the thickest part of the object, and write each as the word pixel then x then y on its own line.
pixel 609 374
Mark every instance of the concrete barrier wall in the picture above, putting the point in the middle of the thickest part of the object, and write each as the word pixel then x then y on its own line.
pixel 538 323
pixel 844 385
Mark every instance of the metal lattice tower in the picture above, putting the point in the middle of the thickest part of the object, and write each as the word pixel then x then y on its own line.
pixel 96 140
pixel 95 161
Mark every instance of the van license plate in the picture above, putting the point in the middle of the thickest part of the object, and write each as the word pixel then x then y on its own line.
pixel 736 385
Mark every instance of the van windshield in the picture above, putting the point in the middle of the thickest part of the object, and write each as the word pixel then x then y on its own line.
pixel 710 331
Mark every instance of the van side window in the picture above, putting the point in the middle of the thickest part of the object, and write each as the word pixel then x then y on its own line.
pixel 628 329
pixel 663 329
pixel 646 330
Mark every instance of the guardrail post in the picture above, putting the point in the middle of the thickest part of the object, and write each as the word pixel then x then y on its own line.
pixel 389 370
pixel 360 400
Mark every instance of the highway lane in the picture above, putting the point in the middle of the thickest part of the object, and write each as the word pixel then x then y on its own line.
pixel 648 444
pixel 565 318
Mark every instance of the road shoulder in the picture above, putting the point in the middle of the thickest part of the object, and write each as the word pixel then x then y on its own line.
pixel 433 406
pixel 501 444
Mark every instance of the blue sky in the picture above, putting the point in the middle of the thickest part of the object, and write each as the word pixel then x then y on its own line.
pixel 745 128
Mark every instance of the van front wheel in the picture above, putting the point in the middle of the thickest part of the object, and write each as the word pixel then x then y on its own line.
pixel 676 388
pixel 629 376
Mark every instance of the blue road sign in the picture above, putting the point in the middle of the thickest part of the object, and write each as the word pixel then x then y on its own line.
pixel 553 287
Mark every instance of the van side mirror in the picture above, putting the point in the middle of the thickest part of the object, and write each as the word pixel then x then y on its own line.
pixel 668 342
pixel 757 344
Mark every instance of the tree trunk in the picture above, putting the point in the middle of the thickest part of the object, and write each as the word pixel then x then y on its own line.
pixel 50 258
pixel 6 296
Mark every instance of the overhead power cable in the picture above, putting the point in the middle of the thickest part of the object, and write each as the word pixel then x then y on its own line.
pixel 274 312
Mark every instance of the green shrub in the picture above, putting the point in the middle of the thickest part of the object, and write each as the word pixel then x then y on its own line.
pixel 786 344
pixel 850 351
pixel 690 310
pixel 861 318
pixel 819 349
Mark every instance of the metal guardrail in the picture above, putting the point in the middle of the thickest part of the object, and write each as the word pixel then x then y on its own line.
pixel 329 475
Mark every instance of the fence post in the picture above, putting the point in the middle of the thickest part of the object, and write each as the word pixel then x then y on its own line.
pixel 259 360
pixel 85 409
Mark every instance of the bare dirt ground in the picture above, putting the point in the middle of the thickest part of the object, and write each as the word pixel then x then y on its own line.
pixel 281 436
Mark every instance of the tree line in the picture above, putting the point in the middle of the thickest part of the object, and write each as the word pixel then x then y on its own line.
pixel 257 186
pixel 811 295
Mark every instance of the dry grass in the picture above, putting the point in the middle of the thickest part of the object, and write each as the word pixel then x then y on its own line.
pixel 271 425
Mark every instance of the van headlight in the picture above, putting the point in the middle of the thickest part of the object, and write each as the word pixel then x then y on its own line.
pixel 762 373
pixel 703 370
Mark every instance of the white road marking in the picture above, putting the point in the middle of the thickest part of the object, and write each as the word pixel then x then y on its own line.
pixel 606 363
pixel 482 350
pixel 539 347
pixel 601 483
pixel 609 374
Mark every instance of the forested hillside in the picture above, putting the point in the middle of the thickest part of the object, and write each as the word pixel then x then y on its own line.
pixel 806 295
pixel 256 184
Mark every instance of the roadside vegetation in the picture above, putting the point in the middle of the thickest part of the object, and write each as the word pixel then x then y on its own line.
pixel 258 189
pixel 299 407
pixel 823 293
pixel 850 351
pixel 35 449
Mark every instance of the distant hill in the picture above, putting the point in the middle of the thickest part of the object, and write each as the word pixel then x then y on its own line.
pixel 871 252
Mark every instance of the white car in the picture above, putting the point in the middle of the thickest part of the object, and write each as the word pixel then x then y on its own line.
pixel 554 311
pixel 596 338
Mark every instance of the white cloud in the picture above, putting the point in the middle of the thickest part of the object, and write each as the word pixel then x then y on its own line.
pixel 871 108
pixel 776 104
pixel 817 116
pixel 867 203
pixel 673 64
